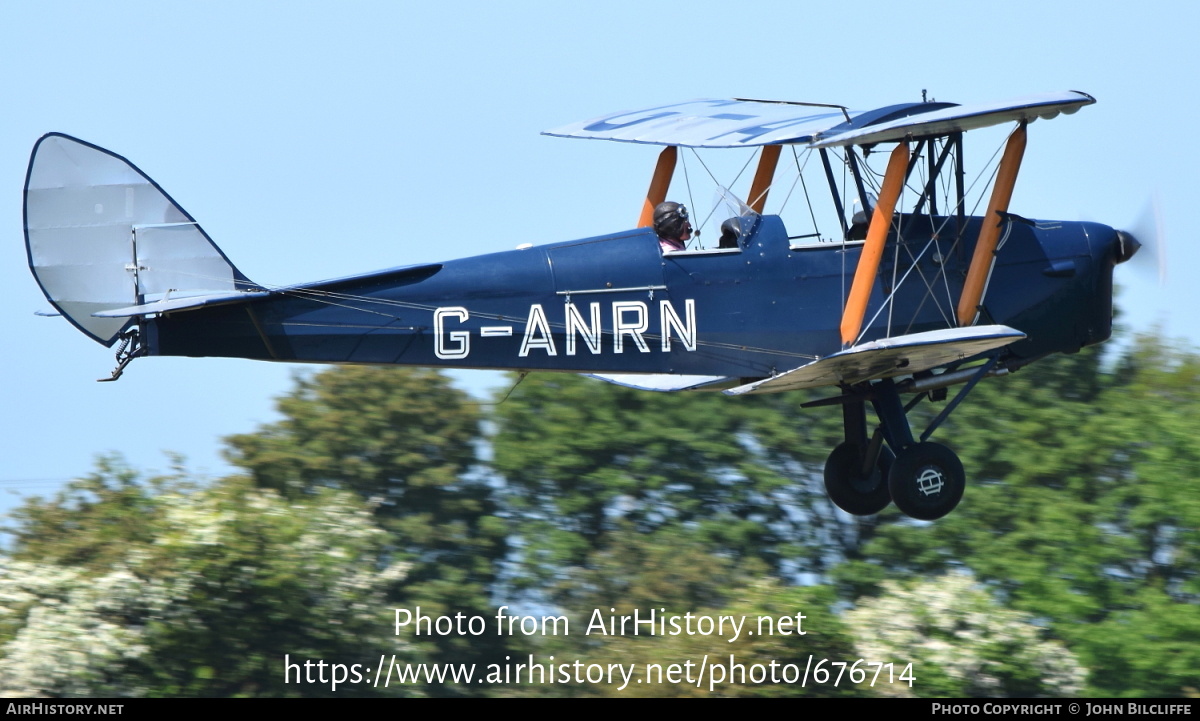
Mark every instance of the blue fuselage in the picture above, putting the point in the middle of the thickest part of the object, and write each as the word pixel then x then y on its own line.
pixel 616 304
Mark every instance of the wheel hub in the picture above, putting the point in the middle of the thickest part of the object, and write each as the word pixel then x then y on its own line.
pixel 930 481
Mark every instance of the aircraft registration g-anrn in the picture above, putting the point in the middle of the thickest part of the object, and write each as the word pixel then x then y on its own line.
pixel 911 292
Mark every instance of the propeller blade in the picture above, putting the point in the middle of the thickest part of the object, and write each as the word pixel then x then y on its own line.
pixel 1148 234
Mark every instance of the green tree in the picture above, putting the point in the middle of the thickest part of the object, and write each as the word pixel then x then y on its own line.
pixel 405 441
pixel 765 659
pixel 1079 507
pixel 668 572
pixel 581 459
pixel 205 592
pixel 88 523
pixel 1148 648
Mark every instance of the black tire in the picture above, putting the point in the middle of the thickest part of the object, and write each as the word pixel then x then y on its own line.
pixel 849 489
pixel 927 481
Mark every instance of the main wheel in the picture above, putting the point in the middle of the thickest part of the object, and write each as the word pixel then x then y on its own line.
pixel 926 481
pixel 851 490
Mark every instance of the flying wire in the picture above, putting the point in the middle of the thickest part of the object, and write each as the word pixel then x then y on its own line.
pixel 691 202
pixel 717 182
pixel 521 377
pixel 887 303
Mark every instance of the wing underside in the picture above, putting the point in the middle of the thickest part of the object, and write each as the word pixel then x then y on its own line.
pixel 887 358
pixel 664 381
pixel 723 123
pixel 736 123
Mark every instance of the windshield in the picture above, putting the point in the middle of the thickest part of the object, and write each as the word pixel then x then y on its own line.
pixel 734 219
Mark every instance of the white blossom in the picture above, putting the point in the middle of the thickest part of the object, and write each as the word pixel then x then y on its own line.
pixel 953 625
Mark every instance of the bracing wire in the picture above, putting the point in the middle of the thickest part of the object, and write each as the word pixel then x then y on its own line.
pixel 896 285
pixel 807 197
pixel 521 377
pixel 717 182
pixel 691 201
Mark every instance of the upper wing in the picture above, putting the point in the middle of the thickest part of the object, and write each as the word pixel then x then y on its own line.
pixel 712 124
pixel 888 357
pixel 738 123
pixel 962 118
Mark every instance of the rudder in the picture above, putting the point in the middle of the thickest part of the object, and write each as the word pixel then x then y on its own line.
pixel 101 235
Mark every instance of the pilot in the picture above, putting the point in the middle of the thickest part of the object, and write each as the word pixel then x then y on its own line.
pixel 672 225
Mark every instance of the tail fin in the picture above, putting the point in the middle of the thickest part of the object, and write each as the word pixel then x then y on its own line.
pixel 101 235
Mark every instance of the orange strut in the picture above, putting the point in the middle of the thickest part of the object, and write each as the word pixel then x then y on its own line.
pixel 763 176
pixel 985 248
pixel 658 185
pixel 872 252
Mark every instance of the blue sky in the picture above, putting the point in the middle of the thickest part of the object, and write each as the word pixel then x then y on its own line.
pixel 313 140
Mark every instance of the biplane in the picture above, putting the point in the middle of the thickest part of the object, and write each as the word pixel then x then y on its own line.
pixel 911 293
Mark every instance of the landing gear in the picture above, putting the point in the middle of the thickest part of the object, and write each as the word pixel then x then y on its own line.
pixel 129 348
pixel 855 486
pixel 926 481
pixel 856 473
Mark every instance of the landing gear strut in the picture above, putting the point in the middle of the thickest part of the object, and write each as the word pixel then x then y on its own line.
pixel 924 479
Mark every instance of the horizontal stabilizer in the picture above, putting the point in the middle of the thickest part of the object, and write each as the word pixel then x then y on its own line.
pixel 167 305
pixel 170 305
pixel 888 357
pixel 661 381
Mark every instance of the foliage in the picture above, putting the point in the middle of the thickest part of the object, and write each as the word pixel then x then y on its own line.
pixel 666 572
pixel 581 459
pixel 88 523
pixel 647 570
pixel 1150 648
pixel 753 664
pixel 66 633
pixel 405 441
pixel 1080 529
pixel 961 643
pixel 206 594
pixel 395 436
pixel 1080 508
